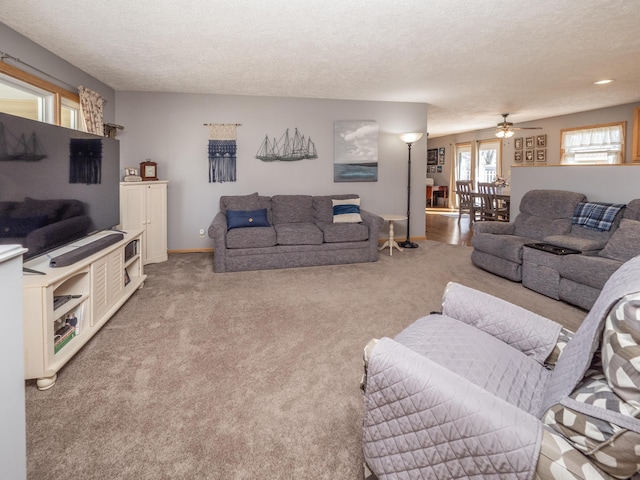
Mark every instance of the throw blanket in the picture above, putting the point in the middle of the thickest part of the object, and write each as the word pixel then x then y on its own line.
pixel 596 215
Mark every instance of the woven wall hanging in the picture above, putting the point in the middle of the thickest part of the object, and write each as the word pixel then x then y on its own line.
pixel 222 152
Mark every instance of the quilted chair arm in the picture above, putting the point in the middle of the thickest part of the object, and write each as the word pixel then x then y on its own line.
pixel 532 334
pixel 424 421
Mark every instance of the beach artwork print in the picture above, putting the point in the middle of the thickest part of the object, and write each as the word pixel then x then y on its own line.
pixel 355 151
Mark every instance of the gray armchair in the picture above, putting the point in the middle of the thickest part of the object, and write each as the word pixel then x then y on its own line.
pixel 490 390
pixel 498 246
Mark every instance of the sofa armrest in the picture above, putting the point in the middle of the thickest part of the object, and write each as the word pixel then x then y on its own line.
pixel 218 231
pixel 532 334
pixel 497 228
pixel 373 221
pixel 417 408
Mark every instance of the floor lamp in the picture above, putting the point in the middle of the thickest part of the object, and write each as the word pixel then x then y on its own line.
pixel 409 139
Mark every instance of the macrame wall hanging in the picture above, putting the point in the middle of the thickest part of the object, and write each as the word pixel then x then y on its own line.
pixel 85 160
pixel 222 152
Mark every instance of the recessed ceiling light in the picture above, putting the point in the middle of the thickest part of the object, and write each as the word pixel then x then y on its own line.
pixel 602 82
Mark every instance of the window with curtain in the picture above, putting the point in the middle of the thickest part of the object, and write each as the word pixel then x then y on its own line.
pixel 593 145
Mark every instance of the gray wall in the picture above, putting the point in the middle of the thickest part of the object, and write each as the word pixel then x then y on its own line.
pixel 550 126
pixel 168 128
pixel 18 46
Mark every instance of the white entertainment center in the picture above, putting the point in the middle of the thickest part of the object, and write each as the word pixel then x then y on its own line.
pixel 65 306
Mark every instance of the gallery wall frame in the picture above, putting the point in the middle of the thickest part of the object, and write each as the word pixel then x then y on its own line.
pixel 432 156
pixel 541 155
pixel 529 142
pixel 517 143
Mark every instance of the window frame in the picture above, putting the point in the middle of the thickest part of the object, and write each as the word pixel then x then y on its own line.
pixel 622 124
pixel 58 93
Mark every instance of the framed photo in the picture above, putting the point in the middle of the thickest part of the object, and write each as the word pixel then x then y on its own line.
pixel 130 171
pixel 517 156
pixel 432 156
pixel 541 156
pixel 528 156
pixel 528 142
pixel 441 156
pixel 517 143
pixel 439 169
pixel 541 141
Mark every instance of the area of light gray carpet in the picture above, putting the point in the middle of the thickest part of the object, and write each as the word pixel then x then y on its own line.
pixel 241 375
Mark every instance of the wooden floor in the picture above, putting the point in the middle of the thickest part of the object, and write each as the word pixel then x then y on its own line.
pixel 443 226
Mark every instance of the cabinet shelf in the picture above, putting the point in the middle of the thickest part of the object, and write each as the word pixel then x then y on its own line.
pixel 92 290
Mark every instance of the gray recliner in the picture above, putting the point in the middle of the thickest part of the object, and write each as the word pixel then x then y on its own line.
pixel 498 246
pixel 490 390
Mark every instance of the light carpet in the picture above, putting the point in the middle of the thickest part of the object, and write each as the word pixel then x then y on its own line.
pixel 241 375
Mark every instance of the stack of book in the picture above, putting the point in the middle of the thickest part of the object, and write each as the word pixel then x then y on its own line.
pixel 63 336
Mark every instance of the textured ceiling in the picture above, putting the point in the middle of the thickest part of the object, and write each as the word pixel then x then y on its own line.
pixel 470 60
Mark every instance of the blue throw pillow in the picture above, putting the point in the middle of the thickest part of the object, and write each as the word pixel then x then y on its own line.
pixel 247 218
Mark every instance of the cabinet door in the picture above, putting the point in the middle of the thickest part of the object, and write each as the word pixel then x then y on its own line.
pixel 156 224
pixel 107 277
pixel 132 207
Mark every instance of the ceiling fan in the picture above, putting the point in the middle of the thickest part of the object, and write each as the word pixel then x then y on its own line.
pixel 506 129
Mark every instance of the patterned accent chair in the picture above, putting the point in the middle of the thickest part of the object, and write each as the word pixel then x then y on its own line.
pixel 487 389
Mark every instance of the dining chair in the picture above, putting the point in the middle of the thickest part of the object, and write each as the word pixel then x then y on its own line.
pixel 466 203
pixel 491 208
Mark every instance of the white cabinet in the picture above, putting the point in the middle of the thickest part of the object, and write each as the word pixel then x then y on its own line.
pixel 83 295
pixel 143 206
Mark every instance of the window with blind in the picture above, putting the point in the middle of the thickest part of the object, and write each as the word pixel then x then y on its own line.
pixel 593 145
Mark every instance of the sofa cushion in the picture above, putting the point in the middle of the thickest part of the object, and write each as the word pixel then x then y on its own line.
pixel 590 270
pixel 292 209
pixel 344 232
pixel 247 218
pixel 298 234
pixel 623 244
pixel 577 243
pixel 632 212
pixel 538 227
pixel 323 206
pixel 253 237
pixel 239 202
pixel 346 211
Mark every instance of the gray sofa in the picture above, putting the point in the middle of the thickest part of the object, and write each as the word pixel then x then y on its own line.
pixel 578 279
pixel 498 246
pixel 546 217
pixel 301 232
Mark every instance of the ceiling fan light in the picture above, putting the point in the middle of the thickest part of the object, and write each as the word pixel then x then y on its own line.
pixel 509 134
pixel 500 133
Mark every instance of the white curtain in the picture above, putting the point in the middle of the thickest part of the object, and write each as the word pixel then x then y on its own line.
pixel 607 141
pixel 91 105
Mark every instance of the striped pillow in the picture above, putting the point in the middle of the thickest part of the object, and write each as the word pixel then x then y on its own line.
pixel 346 211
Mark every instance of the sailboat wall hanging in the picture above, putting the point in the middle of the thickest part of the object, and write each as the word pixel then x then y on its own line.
pixel 23 148
pixel 287 148
pixel 222 152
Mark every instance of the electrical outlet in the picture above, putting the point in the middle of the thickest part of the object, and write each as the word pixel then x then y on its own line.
pixel 201 232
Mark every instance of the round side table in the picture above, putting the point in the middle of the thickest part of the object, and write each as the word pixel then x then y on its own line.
pixel 391 243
